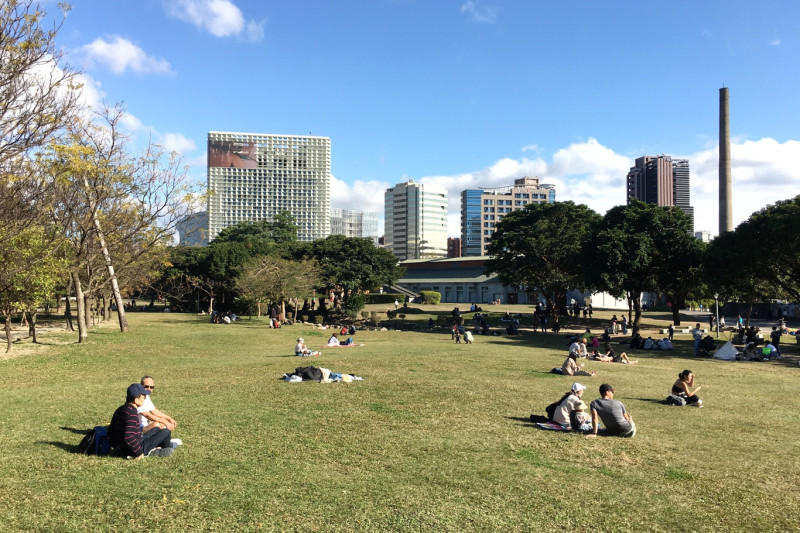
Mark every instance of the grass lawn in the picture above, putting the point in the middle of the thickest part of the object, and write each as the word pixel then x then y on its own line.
pixel 435 438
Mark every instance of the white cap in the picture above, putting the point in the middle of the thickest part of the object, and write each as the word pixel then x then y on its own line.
pixel 300 339
pixel 578 387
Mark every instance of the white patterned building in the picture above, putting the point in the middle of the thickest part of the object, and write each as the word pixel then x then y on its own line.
pixel 415 221
pixel 254 176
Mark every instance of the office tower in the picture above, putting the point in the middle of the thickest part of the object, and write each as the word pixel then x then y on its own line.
pixel 482 209
pixel 253 176
pixel 725 200
pixel 661 180
pixel 354 223
pixel 415 221
pixel 453 247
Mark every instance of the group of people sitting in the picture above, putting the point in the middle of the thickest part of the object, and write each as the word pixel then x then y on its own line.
pixel 570 413
pixel 223 318
pixel 138 429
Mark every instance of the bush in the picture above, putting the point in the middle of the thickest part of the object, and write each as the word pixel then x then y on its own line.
pixel 431 297
pixel 318 319
pixel 385 298
pixel 304 318
pixel 365 315
pixel 353 305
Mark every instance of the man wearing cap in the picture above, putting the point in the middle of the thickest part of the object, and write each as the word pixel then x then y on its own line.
pixel 149 416
pixel 125 432
pixel 615 418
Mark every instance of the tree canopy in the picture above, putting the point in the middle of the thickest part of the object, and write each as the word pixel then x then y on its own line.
pixel 539 247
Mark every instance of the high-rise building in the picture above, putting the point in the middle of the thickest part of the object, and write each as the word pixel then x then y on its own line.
pixel 254 176
pixel 453 247
pixel 354 223
pixel 482 209
pixel 661 180
pixel 415 221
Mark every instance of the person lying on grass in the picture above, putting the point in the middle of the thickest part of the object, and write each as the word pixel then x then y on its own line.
pixel 125 433
pixel 612 357
pixel 334 342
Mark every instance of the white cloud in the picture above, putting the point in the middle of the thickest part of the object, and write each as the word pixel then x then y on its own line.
pixel 177 142
pixel 763 172
pixel 119 55
pixel 480 13
pixel 221 18
pixel 775 42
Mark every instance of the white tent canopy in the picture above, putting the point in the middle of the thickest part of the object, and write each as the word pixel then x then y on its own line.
pixel 726 353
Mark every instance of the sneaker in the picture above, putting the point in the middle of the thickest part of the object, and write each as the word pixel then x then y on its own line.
pixel 175 442
pixel 161 452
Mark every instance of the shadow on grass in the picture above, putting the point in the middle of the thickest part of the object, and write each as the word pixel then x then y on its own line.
pixel 654 400
pixel 527 421
pixel 71 448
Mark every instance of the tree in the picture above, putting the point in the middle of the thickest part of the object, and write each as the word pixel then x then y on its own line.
pixel 26 287
pixel 634 249
pixel 263 233
pixel 267 279
pixel 539 247
pixel 352 264
pixel 772 235
pixel 38 90
pixel 733 271
pixel 100 180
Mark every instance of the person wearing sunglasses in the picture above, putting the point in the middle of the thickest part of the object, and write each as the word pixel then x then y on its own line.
pixel 149 416
pixel 125 434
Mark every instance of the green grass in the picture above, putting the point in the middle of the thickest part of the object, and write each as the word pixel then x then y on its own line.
pixel 436 437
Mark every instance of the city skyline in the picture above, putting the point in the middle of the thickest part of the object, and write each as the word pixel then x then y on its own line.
pixel 462 94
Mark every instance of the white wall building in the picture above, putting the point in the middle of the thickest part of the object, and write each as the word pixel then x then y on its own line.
pixel 415 221
pixel 254 176
pixel 354 223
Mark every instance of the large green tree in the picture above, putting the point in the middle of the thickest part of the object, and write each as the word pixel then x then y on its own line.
pixel 539 247
pixel 351 265
pixel 635 249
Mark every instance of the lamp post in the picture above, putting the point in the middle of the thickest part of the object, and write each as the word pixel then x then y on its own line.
pixel 716 304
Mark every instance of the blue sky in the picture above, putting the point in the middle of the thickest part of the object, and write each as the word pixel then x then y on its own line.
pixel 463 93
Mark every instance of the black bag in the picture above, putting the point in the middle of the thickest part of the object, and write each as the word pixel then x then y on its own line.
pixel 674 399
pixel 95 442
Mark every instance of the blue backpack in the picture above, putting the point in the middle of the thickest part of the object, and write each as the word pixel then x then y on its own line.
pixel 95 442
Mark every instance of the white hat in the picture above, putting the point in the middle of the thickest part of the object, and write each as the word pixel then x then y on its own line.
pixel 578 387
pixel 300 339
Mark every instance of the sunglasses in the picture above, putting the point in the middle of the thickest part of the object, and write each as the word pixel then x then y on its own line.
pixel 149 387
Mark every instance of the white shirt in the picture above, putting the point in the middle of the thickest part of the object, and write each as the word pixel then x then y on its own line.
pixel 146 407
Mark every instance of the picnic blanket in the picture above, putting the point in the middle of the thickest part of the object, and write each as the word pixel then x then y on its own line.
pixel 551 425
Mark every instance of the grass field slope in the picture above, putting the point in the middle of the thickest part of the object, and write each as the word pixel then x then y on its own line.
pixel 436 437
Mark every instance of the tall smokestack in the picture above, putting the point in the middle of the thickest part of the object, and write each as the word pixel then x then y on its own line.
pixel 725 202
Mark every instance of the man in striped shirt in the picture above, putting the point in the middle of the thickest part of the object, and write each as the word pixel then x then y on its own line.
pixel 125 432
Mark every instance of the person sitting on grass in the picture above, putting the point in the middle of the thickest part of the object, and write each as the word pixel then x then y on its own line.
pixel 571 367
pixel 578 348
pixel 125 432
pixel 681 388
pixel 149 416
pixel 563 413
pixel 301 350
pixel 615 418
pixel 334 340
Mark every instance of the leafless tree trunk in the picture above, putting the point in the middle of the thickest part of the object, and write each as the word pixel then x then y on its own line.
pixel 83 331
pixel 31 313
